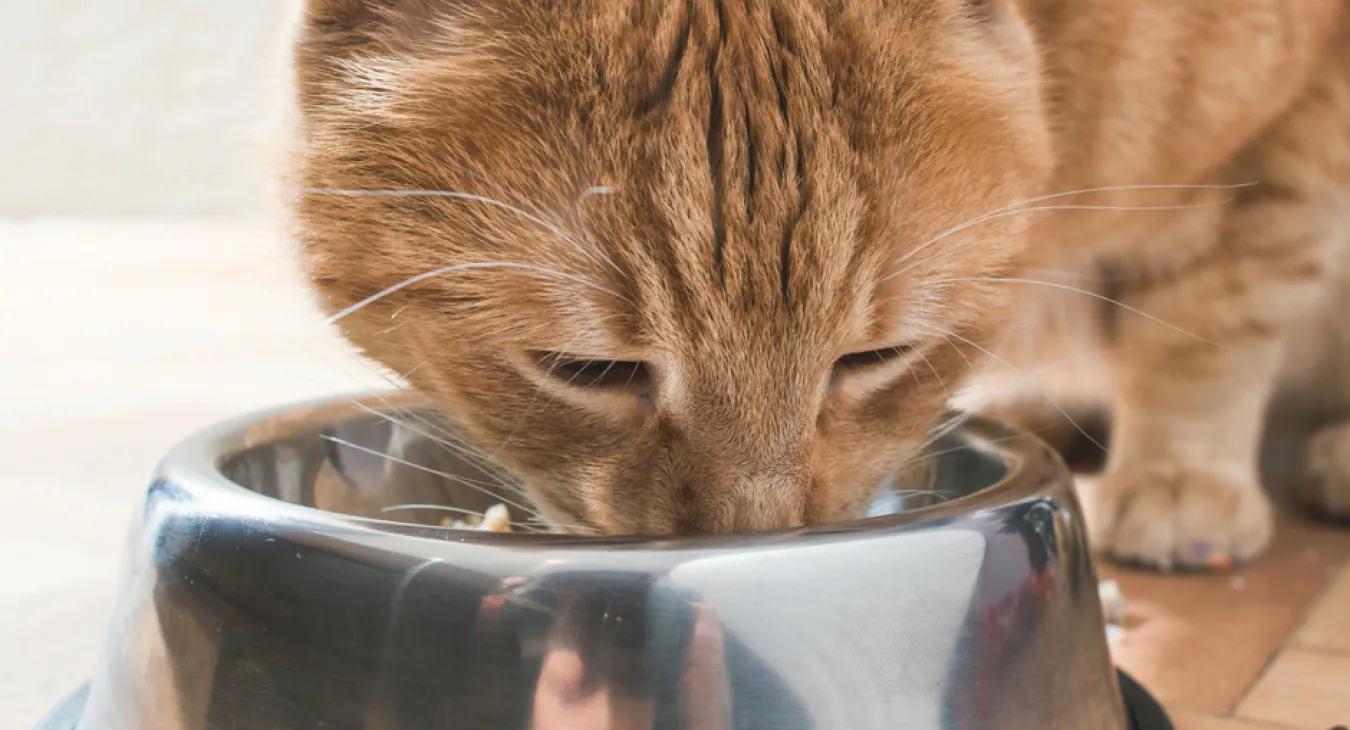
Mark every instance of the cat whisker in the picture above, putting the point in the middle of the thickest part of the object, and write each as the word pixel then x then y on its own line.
pixel 465 267
pixel 942 493
pixel 453 510
pixel 1084 191
pixel 1123 188
pixel 446 475
pixel 517 200
pixel 449 439
pixel 930 455
pixel 969 365
pixel 462 450
pixel 442 436
pixel 502 190
pixel 922 454
pixel 502 479
pixel 937 495
pixel 1023 377
pixel 457 445
pixel 942 431
pixel 454 195
pixel 932 369
pixel 1065 274
pixel 430 507
pixel 1004 213
pixel 1076 290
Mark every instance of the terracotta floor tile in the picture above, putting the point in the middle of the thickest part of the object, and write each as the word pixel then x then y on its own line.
pixel 1328 627
pixel 1200 641
pixel 1302 689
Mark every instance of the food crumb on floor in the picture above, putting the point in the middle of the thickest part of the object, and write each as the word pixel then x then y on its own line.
pixel 1113 602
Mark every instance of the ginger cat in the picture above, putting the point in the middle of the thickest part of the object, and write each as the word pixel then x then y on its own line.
pixel 715 265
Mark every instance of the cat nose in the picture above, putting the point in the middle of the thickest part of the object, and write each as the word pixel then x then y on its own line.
pixel 742 504
pixel 775 502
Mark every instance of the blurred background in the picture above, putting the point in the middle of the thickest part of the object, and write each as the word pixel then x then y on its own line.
pixel 146 289
pixel 139 107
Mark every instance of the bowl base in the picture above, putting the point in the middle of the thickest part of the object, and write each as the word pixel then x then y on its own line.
pixel 1144 711
pixel 66 715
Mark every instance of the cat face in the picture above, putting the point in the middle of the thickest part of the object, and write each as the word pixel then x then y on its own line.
pixel 683 267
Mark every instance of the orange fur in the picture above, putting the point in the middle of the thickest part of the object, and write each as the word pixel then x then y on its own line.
pixel 737 195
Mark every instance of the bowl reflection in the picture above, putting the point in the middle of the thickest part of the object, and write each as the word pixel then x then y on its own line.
pixel 267 587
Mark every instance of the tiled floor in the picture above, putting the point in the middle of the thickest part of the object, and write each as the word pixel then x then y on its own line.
pixel 118 339
pixel 1262 648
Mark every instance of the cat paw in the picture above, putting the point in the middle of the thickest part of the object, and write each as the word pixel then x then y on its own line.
pixel 1171 517
pixel 1325 484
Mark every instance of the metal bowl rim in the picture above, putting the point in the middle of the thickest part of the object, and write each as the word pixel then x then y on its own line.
pixel 195 463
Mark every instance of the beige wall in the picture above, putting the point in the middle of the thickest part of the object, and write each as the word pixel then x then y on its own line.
pixel 141 107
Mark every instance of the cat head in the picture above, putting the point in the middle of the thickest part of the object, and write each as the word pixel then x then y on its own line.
pixel 693 266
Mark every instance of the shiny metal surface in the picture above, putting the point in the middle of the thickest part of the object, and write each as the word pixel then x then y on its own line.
pixel 243 609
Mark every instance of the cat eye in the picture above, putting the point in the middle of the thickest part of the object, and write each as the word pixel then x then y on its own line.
pixel 582 373
pixel 872 358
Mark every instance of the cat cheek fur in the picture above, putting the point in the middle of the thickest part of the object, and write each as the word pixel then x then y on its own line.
pixel 728 192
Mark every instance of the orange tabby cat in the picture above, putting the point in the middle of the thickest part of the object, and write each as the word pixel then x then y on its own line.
pixel 714 265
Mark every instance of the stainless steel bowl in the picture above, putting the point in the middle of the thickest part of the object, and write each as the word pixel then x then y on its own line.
pixel 243 607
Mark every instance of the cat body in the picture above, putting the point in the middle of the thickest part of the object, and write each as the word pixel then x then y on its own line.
pixel 716 265
pixel 1187 324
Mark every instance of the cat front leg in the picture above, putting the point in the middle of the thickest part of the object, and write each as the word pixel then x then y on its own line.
pixel 1325 485
pixel 1181 488
pixel 1193 378
pixel 1200 347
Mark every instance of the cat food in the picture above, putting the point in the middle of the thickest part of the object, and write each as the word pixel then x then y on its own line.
pixel 496 519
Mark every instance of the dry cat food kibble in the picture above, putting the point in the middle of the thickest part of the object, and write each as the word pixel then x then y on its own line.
pixel 496 519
